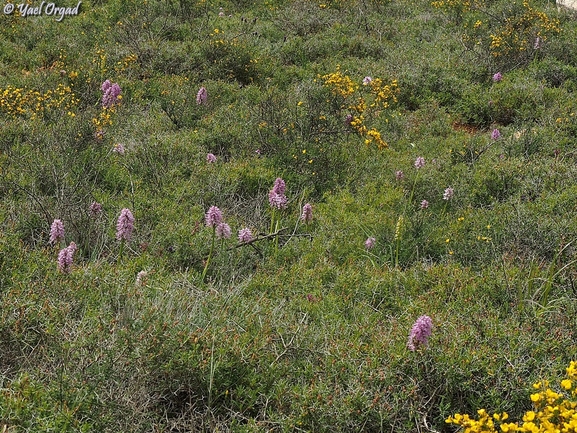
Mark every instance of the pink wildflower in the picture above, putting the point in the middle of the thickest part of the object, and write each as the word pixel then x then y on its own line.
pixel 65 258
pixel 420 332
pixel 448 194
pixel 399 174
pixel 367 81
pixel 125 225
pixel 419 162
pixel 95 209
pixel 497 77
pixel 370 243
pixel 276 196
pixel 201 96
pixel 213 217
pixel 424 204
pixel 223 231
pixel 141 278
pixel 245 235
pixel 495 134
pixel 118 148
pixel 56 231
pixel 307 215
pixel 111 93
pixel 210 158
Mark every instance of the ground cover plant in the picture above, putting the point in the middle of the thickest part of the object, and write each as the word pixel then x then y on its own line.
pixel 288 216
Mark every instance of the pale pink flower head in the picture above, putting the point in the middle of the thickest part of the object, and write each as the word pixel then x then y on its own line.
pixel 495 134
pixel 419 162
pixel 537 43
pixel 279 186
pixel 201 96
pixel 95 209
pixel 370 243
pixel 118 148
pixel 307 215
pixel 424 204
pixel 399 174
pixel 497 77
pixel 276 196
pixel 56 231
pixel 210 158
pixel 110 93
pixel 348 119
pixel 367 80
pixel 125 225
pixel 213 217
pixel 245 235
pixel 223 231
pixel 65 258
pixel 420 332
pixel 448 194
pixel 106 85
pixel 141 278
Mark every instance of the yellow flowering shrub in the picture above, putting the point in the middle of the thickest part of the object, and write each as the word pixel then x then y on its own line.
pixel 510 35
pixel 21 102
pixel 553 412
pixel 380 97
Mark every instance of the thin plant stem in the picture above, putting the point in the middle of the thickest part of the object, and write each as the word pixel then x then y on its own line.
pixel 209 254
pixel 121 249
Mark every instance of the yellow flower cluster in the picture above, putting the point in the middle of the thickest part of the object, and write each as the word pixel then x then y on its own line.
pixel 458 6
pixel 340 84
pixel 126 63
pixel 103 120
pixel 510 35
pixel 16 101
pixel 554 412
pixel 381 96
pixel 519 33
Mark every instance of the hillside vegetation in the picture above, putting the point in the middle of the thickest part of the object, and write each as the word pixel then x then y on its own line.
pixel 229 215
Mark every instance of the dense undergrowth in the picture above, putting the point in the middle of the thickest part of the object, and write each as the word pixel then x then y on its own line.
pixel 433 140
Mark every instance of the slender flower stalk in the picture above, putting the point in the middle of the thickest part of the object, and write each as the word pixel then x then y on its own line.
pixel 124 228
pixel 420 332
pixel 277 200
pixel 213 218
pixel 419 163
pixel 397 238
